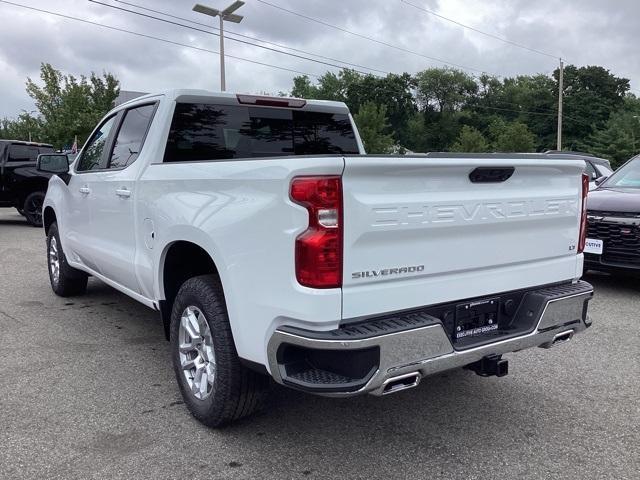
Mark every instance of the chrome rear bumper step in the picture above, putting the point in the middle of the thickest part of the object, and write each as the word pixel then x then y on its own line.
pixel 392 353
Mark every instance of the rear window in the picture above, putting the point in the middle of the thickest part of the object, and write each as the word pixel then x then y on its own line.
pixel 215 132
pixel 26 153
pixel 23 153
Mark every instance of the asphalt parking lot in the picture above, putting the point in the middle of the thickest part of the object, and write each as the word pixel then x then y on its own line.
pixel 87 391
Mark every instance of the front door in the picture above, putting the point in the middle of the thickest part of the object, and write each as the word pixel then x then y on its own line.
pixel 78 231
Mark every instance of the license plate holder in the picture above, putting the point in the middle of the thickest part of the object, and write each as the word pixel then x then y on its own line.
pixel 478 318
pixel 594 246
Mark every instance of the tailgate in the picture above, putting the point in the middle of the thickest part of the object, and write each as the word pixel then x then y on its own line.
pixel 418 231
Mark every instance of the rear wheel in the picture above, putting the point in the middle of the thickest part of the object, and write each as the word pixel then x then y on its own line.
pixel 65 280
pixel 215 386
pixel 32 208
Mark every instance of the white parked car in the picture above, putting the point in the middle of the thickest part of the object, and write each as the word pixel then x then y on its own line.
pixel 273 246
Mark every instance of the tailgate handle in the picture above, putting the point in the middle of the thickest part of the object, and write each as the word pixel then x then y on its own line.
pixel 491 174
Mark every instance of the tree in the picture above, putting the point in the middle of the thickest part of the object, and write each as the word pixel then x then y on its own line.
pixel 444 89
pixel 69 106
pixel 511 137
pixel 25 127
pixel 470 140
pixel 591 95
pixel 394 92
pixel 427 111
pixel 619 140
pixel 372 124
pixel 528 99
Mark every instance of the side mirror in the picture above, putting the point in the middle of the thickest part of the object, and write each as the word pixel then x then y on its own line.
pixel 601 179
pixel 53 163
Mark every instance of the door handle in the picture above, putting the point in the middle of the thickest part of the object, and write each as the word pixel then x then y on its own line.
pixel 85 190
pixel 123 192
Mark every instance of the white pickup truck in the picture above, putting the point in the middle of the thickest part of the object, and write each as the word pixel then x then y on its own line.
pixel 273 246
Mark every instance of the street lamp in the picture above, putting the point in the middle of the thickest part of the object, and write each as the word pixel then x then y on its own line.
pixel 228 15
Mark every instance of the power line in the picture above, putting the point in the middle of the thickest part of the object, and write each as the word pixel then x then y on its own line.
pixel 212 33
pixel 171 42
pixel 372 39
pixel 151 37
pixel 491 35
pixel 279 45
pixel 209 32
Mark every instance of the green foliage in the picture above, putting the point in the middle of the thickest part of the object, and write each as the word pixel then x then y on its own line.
pixel 67 106
pixel 619 140
pixel 394 92
pixel 591 95
pixel 24 127
pixel 511 137
pixel 470 140
pixel 429 110
pixel 372 124
pixel 444 89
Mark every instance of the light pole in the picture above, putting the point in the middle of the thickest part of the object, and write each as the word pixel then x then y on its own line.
pixel 224 15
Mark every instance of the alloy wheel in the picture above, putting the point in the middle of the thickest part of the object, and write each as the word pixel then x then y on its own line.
pixel 196 352
pixel 54 260
pixel 34 209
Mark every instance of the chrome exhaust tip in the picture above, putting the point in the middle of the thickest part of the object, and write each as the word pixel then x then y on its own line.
pixel 401 382
pixel 562 337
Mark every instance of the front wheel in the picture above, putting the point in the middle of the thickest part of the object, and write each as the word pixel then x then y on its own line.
pixel 65 280
pixel 216 387
pixel 32 208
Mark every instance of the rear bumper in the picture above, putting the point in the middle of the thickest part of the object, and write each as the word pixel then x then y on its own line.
pixel 412 346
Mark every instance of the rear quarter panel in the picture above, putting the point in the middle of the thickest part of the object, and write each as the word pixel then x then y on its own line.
pixel 240 213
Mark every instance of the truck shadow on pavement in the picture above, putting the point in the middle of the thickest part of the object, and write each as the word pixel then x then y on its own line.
pixel 449 418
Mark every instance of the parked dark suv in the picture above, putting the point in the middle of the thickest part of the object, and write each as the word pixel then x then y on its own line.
pixel 21 185
pixel 613 210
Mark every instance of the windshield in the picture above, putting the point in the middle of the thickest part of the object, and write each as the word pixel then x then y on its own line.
pixel 627 176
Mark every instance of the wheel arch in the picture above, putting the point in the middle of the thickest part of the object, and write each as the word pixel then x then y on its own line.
pixel 48 218
pixel 179 261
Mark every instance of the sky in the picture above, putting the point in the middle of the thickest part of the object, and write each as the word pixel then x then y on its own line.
pixel 584 32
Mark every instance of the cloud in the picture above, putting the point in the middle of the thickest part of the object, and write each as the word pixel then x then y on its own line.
pixel 584 32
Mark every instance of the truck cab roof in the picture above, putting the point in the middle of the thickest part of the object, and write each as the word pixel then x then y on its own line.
pixel 226 98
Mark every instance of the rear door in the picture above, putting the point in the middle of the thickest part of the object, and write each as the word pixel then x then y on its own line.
pixel 419 231
pixel 78 222
pixel 113 194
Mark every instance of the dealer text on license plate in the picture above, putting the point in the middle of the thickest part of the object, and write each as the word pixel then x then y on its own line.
pixel 593 246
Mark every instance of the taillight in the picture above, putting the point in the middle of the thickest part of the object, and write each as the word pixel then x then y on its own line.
pixel 583 221
pixel 319 247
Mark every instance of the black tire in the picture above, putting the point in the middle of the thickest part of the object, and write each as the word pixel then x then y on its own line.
pixel 236 391
pixel 70 281
pixel 20 211
pixel 32 208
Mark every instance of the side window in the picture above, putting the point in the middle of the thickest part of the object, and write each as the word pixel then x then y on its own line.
pixel 23 153
pixel 591 171
pixel 92 153
pixel 131 136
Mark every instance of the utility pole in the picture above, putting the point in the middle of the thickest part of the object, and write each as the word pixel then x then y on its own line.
pixel 223 75
pixel 560 88
pixel 225 15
